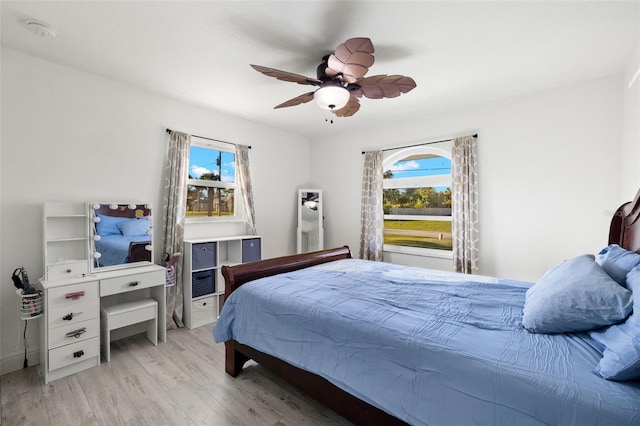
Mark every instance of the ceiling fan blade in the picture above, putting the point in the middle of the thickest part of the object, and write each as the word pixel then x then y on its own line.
pixel 351 59
pixel 349 109
pixel 302 99
pixel 286 76
pixel 384 86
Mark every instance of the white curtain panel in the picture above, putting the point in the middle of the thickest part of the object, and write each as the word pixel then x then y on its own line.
pixel 372 214
pixel 464 205
pixel 244 179
pixel 175 204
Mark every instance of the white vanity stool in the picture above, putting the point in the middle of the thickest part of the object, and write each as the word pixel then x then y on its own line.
pixel 128 313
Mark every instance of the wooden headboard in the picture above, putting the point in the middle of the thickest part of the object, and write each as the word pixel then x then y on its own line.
pixel 123 210
pixel 625 226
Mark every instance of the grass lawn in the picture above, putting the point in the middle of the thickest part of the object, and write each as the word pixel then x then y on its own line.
pixel 419 225
pixel 421 242
pixel 418 241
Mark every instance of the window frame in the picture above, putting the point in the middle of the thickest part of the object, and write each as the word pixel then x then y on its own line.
pixel 417 182
pixel 238 208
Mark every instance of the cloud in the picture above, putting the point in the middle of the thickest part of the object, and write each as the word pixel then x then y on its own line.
pixel 197 171
pixel 405 166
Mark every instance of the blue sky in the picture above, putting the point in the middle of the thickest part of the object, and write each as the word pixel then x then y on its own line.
pixel 421 167
pixel 203 160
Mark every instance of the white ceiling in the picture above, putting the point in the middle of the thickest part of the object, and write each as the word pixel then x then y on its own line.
pixel 458 53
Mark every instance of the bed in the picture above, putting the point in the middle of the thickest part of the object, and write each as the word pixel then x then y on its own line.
pixel 387 344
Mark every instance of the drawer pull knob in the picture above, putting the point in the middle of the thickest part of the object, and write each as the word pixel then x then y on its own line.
pixel 74 296
pixel 68 271
pixel 77 333
pixel 70 316
pixel 78 354
pixel 134 283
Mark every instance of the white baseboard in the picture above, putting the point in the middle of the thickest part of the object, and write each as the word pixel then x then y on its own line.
pixel 16 362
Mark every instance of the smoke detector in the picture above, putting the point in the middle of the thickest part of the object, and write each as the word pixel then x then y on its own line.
pixel 41 29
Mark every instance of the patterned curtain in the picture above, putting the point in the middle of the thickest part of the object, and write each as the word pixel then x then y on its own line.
pixel 175 204
pixel 371 214
pixel 464 205
pixel 244 179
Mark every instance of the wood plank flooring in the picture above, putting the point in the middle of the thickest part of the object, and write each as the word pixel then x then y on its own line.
pixel 179 382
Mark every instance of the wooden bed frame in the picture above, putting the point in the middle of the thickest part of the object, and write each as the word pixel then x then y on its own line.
pixel 624 230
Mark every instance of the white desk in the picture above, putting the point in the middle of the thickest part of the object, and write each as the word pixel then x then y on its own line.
pixel 70 332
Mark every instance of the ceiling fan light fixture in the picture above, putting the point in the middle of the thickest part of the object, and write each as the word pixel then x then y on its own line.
pixel 332 98
pixel 40 28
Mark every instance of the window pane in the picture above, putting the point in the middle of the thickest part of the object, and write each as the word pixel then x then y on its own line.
pixel 211 164
pixel 426 201
pixel 430 234
pixel 408 207
pixel 419 165
pixel 205 201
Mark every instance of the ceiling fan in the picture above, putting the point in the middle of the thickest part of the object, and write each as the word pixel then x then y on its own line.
pixel 341 82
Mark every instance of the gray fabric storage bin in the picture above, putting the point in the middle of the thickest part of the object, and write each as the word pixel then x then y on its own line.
pixel 203 256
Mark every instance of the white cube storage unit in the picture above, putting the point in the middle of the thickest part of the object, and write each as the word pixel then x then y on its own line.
pixel 203 284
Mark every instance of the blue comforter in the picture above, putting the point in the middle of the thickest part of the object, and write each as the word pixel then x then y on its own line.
pixel 429 347
pixel 114 249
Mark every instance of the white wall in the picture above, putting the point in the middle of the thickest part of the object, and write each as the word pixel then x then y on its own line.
pixel 69 135
pixel 631 127
pixel 549 174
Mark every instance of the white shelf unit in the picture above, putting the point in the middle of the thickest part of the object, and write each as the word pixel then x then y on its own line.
pixel 203 284
pixel 66 239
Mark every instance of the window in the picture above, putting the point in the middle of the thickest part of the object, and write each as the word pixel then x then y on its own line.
pixel 417 201
pixel 211 188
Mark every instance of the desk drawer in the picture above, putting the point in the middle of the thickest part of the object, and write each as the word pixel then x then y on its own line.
pixel 67 334
pixel 72 295
pixel 131 282
pixel 67 270
pixel 73 314
pixel 73 353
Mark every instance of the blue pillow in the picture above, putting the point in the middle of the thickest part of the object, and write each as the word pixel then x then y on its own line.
pixel 132 227
pixel 576 295
pixel 621 355
pixel 617 262
pixel 108 225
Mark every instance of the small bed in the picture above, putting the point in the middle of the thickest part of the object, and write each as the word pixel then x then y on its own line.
pixel 388 344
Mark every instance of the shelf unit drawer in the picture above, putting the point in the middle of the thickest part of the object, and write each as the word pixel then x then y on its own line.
pixel 203 283
pixel 203 256
pixel 73 353
pixel 250 250
pixel 204 311
pixel 74 313
pixel 126 283
pixel 72 295
pixel 67 334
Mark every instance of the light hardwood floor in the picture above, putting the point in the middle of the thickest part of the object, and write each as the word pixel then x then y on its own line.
pixel 179 382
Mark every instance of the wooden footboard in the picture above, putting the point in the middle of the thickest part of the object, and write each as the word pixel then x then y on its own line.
pixel 313 385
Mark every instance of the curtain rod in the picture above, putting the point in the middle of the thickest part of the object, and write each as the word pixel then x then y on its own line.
pixel 419 144
pixel 209 139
